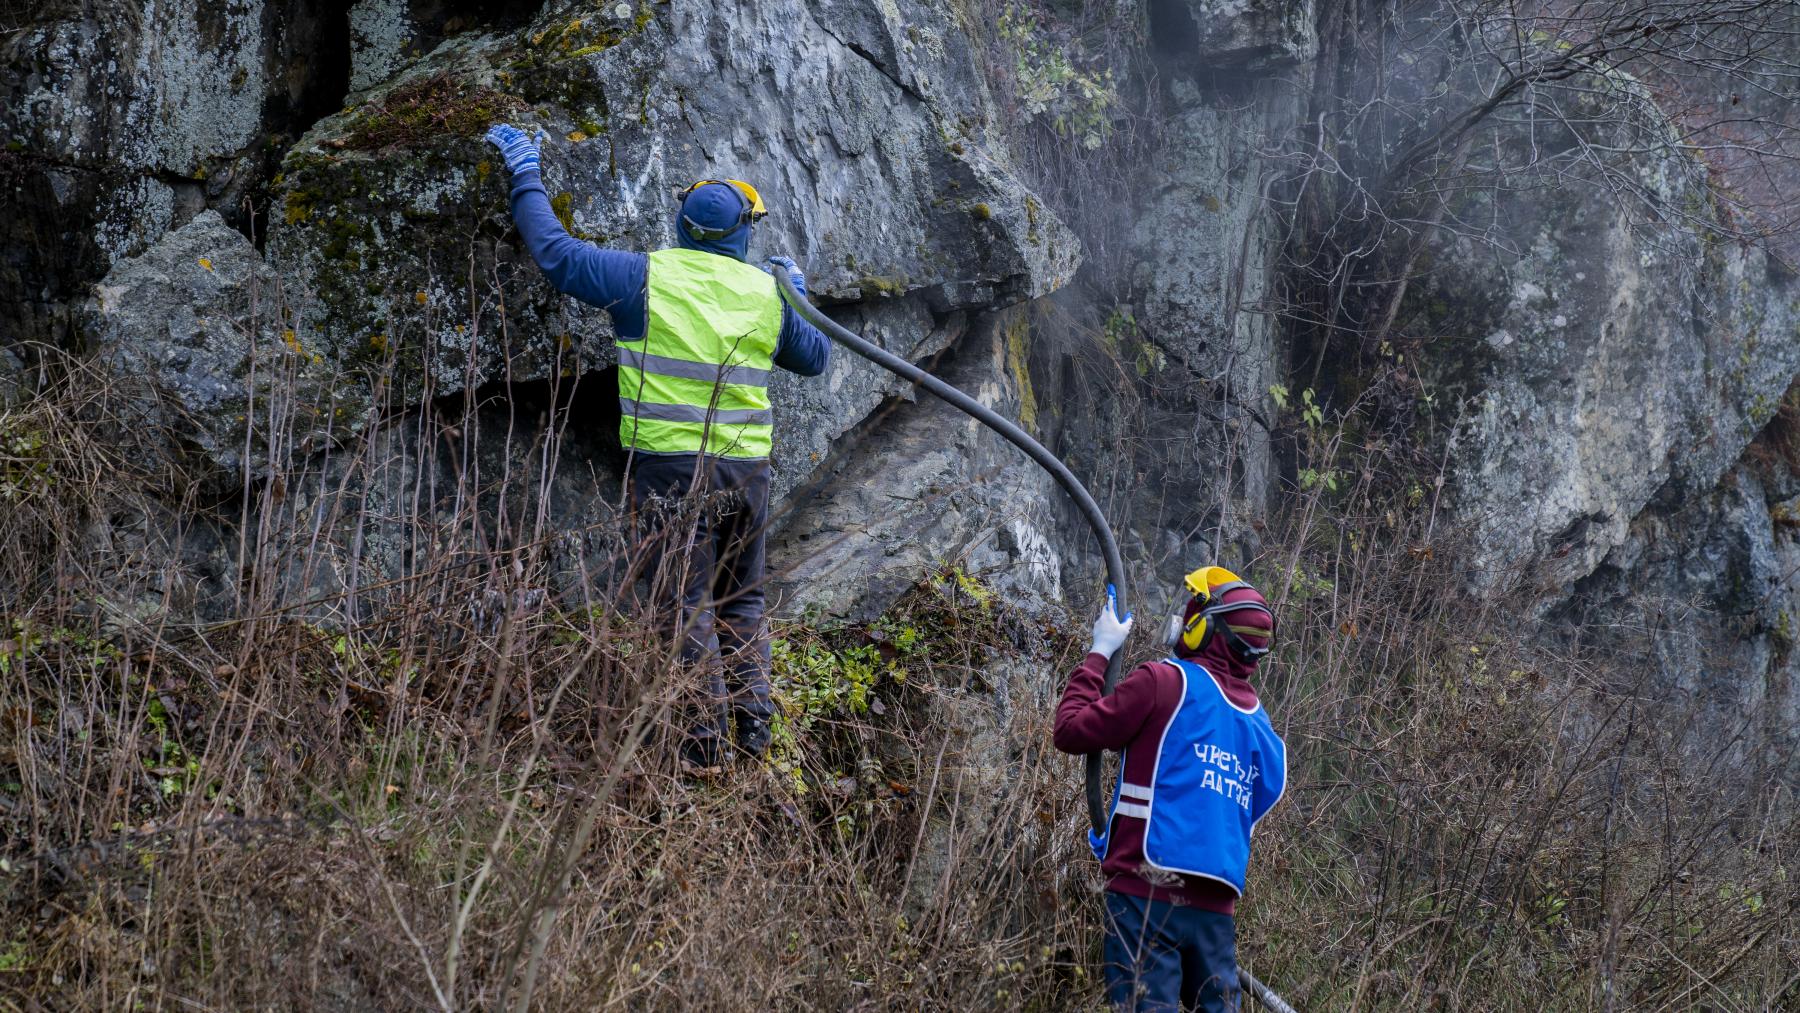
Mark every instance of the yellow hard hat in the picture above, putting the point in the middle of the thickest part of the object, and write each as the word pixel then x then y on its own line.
pixel 1207 587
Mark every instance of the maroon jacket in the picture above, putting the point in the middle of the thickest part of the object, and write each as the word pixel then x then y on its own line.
pixel 1136 711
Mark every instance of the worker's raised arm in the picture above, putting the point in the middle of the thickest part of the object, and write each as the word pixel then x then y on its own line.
pixel 1088 721
pixel 803 348
pixel 611 279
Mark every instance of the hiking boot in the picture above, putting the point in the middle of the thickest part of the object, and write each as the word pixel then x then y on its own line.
pixel 752 736
pixel 700 754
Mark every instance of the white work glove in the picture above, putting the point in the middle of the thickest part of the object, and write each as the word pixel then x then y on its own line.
pixel 1109 630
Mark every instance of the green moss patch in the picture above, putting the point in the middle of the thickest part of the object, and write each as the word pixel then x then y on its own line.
pixel 427 110
pixel 564 206
pixel 881 286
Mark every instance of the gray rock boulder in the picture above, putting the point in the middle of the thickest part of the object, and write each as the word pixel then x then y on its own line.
pixel 1705 598
pixel 123 120
pixel 1236 36
pixel 517 490
pixel 197 333
pixel 921 485
pixel 1616 352
pixel 392 218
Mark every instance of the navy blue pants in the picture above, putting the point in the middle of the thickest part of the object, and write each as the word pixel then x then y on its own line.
pixel 1161 957
pixel 709 560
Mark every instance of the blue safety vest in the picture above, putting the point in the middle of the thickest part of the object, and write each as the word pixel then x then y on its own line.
pixel 1219 768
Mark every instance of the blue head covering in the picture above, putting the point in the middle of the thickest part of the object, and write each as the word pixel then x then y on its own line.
pixel 715 206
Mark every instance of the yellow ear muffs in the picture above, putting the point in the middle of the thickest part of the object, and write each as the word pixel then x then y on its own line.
pixel 1194 634
pixel 1206 584
pixel 757 211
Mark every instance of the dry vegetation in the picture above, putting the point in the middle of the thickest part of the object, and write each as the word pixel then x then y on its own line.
pixel 1484 821
pixel 449 782
pixel 467 797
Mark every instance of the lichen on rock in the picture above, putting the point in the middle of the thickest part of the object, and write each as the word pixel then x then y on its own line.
pixel 198 327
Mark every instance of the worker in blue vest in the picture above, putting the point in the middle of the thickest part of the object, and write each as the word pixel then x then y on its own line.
pixel 1202 765
pixel 698 331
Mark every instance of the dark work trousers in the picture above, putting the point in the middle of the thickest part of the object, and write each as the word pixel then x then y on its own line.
pixel 704 519
pixel 1163 957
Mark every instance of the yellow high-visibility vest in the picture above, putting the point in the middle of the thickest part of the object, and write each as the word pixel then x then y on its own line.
pixel 698 381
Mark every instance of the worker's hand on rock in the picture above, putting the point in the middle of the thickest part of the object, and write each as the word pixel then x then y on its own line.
pixel 1109 630
pixel 516 146
pixel 794 273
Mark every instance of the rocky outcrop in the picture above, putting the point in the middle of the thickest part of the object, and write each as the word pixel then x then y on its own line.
pixel 871 149
pixel 524 467
pixel 1236 36
pixel 122 121
pixel 1618 353
pixel 391 275
pixel 1614 357
pixel 200 327
pixel 1202 257
pixel 921 485
pixel 1617 358
pixel 1707 595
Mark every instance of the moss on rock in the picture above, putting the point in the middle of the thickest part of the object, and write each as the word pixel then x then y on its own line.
pixel 426 111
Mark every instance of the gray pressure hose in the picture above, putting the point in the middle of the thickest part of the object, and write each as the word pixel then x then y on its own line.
pixel 1109 547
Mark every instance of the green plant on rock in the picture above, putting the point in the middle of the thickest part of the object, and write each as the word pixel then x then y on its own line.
pixel 175 771
pixel 16 954
pixel 815 680
pixel 1078 103
pixel 22 638
pixel 972 587
pixel 1316 437
pixel 24 462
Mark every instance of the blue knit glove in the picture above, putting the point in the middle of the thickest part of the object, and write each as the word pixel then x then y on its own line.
pixel 516 146
pixel 794 273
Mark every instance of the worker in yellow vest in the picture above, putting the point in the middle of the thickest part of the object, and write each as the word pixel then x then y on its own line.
pixel 699 331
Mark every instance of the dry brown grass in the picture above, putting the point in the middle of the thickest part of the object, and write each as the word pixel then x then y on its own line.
pixel 1479 819
pixel 465 796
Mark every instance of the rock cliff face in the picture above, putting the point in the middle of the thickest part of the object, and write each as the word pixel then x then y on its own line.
pixel 1202 255
pixel 122 121
pixel 903 200
pixel 281 216
pixel 200 312
pixel 1704 591
pixel 1617 363
pixel 390 278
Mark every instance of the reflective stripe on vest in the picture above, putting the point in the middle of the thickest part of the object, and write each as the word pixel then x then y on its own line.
pixel 689 413
pixel 1133 800
pixel 697 382
pixel 662 365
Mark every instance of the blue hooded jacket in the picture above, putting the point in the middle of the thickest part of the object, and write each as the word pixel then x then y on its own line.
pixel 617 281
